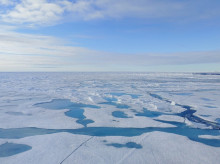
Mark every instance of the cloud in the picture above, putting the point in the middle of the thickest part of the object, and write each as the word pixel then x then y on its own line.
pixel 6 2
pixel 29 52
pixel 33 12
pixel 46 12
pixel 26 51
pixel 150 59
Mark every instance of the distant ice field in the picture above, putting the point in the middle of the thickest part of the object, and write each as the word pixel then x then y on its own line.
pixel 109 118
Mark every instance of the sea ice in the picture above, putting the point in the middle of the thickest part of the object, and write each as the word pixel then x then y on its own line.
pixel 109 118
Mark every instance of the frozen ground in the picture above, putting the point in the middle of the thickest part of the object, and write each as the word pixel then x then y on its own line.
pixel 109 118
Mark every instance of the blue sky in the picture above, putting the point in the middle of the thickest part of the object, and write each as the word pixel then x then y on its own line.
pixel 110 35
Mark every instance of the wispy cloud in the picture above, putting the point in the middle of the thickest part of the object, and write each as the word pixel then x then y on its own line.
pixel 28 52
pixel 149 59
pixel 46 12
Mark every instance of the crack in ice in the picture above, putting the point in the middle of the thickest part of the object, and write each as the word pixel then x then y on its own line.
pixel 188 113
pixel 76 149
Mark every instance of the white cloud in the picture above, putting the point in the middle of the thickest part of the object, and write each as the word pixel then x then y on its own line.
pixel 6 2
pixel 150 59
pixel 28 52
pixel 33 12
pixel 44 12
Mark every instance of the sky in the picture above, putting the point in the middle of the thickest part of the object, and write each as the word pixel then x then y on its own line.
pixel 109 35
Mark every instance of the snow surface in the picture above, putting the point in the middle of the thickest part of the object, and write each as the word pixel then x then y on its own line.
pixel 155 105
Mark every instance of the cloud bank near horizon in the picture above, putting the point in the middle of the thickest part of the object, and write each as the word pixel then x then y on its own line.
pixel 33 52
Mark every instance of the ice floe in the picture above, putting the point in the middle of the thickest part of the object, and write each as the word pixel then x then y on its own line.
pixel 109 118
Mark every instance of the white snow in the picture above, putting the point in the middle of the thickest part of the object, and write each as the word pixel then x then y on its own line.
pixel 20 91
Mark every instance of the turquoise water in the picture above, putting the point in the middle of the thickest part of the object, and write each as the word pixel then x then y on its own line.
pixel 127 145
pixel 75 109
pixel 9 149
pixel 119 114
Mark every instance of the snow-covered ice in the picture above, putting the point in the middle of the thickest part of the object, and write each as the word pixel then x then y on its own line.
pixel 109 118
